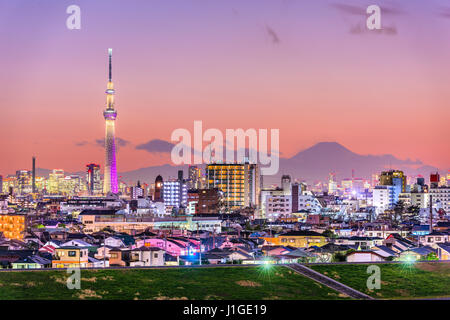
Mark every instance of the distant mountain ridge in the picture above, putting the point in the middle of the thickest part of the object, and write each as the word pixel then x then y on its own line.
pixel 312 164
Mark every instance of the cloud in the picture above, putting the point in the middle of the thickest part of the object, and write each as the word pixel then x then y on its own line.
pixel 156 145
pixel 101 143
pixel 362 29
pixel 81 143
pixel 349 9
pixel 119 142
pixel 444 12
pixel 273 35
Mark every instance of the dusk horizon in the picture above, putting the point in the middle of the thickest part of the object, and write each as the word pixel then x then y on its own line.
pixel 269 66
pixel 268 156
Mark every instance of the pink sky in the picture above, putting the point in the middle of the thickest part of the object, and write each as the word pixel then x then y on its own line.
pixel 290 65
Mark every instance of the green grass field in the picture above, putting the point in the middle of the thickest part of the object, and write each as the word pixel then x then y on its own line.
pixel 206 283
pixel 398 281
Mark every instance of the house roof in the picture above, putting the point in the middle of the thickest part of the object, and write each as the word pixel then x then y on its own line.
pixel 444 246
pixel 144 248
pixel 386 249
pixel 330 248
pixel 79 243
pixel 364 238
pixel 34 259
pixel 365 252
pixel 423 251
pixel 299 253
pixel 302 233
pixel 169 257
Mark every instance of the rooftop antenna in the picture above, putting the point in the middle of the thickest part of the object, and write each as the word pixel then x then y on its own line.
pixel 110 64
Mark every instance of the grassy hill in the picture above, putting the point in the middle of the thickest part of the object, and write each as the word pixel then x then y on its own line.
pixel 422 280
pixel 183 283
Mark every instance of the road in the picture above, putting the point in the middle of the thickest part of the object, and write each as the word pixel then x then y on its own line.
pixel 331 283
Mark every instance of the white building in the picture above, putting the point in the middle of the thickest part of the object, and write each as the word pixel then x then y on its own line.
pixel 307 201
pixel 441 195
pixel 175 193
pixel 383 198
pixel 275 203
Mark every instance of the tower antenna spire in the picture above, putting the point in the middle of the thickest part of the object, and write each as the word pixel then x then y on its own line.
pixel 110 63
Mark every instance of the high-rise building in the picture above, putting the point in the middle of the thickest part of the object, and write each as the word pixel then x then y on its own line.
pixel 240 184
pixel 209 201
pixel 93 180
pixel 195 175
pixel 24 181
pixel 158 195
pixel 174 193
pixel 332 183
pixel 434 180
pixel 70 185
pixel 385 197
pixel 33 170
pixel 110 184
pixel 441 197
pixel 13 226
pixel 286 184
pixel 393 178
pixel 54 182
pixel 137 191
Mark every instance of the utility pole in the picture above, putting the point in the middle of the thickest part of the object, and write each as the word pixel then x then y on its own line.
pixel 431 214
pixel 199 248
pixel 104 250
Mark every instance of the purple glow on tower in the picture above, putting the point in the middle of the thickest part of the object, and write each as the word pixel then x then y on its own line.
pixel 110 181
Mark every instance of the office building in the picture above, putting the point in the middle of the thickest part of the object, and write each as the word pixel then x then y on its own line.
pixel 239 183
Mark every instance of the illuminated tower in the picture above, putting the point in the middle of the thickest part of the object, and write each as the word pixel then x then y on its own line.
pixel 110 179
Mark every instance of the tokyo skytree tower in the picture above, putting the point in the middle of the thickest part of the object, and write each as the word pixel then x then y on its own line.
pixel 110 114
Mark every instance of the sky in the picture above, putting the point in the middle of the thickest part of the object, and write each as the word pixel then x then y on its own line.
pixel 308 68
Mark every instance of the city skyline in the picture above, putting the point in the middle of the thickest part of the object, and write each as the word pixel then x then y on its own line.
pixel 263 66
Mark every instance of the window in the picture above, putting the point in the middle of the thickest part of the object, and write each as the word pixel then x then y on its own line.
pixel 72 253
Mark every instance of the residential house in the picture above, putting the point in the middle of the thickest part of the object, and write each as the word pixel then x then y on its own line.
pixel 298 239
pixel 443 251
pixel 7 257
pixel 413 254
pixel 146 256
pixel 360 243
pixel 397 243
pixel 276 250
pixel 32 262
pixel 50 247
pixel 295 255
pixel 70 257
pixel 114 242
pixel 97 263
pixel 386 252
pixel 117 257
pixel 104 252
pixel 364 256
pixel 328 252
pixel 434 238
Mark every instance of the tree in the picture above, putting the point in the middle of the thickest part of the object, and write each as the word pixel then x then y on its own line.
pixel 432 256
pixel 397 213
pixel 328 234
